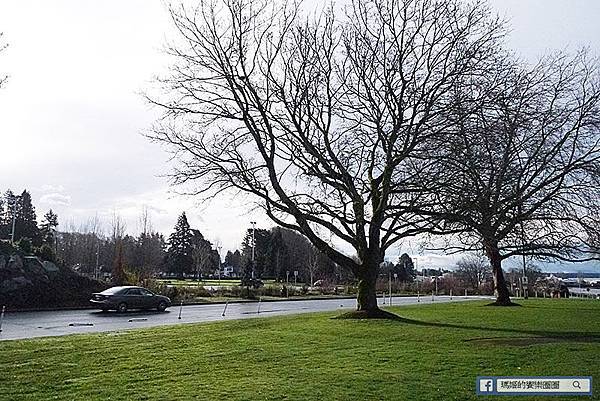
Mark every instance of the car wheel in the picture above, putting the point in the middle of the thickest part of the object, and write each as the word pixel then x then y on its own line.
pixel 162 305
pixel 122 307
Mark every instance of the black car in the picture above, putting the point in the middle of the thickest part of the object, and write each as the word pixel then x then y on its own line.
pixel 129 297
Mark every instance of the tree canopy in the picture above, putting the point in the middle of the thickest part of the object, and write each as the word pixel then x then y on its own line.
pixel 323 121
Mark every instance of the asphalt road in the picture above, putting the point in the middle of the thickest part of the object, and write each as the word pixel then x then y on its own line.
pixel 19 325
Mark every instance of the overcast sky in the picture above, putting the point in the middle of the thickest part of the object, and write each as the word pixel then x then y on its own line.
pixel 71 114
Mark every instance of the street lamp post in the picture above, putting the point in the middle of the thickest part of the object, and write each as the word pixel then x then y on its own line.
pixel 524 281
pixel 390 286
pixel 253 245
pixel 14 219
pixel 219 262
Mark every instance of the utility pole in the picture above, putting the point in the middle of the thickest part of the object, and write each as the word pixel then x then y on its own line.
pixel 390 286
pixel 14 219
pixel 253 245
pixel 219 262
pixel 197 260
pixel 524 280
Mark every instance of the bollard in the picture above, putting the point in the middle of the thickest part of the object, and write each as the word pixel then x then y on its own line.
pixel 2 316
pixel 432 298
pixel 180 308
pixel 465 292
pixel 259 301
pixel 450 294
pixel 383 296
pixel 225 309
pixel 418 297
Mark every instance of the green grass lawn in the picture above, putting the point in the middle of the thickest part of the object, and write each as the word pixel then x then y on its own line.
pixel 434 354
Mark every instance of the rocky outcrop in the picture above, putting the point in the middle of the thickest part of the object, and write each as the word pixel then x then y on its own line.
pixel 26 282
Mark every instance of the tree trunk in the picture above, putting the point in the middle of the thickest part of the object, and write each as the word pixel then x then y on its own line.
pixel 367 295
pixel 500 288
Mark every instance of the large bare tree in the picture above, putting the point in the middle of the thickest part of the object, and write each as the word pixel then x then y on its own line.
pixel 520 176
pixel 323 121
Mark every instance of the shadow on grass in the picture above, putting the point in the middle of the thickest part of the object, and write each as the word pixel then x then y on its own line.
pixel 526 341
pixel 557 335
pixel 131 313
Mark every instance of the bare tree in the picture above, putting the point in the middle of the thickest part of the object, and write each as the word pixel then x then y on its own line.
pixel 323 122
pixel 473 271
pixel 312 264
pixel 118 233
pixel 521 175
pixel 117 226
pixel 145 238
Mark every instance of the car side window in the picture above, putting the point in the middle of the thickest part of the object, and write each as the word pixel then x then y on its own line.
pixel 145 292
pixel 134 291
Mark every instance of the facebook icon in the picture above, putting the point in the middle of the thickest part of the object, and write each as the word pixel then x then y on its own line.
pixel 485 385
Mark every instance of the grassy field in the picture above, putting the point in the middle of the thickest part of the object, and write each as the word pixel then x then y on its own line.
pixel 435 353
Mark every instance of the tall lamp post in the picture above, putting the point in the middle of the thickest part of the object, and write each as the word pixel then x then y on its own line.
pixel 253 245
pixel 219 262
pixel 14 218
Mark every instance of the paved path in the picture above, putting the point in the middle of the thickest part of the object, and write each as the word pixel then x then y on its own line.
pixel 19 325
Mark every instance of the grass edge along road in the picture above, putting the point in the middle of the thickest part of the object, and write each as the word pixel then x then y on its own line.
pixel 435 353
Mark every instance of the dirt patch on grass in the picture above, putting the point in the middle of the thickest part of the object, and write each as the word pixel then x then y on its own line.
pixel 527 341
pixel 370 314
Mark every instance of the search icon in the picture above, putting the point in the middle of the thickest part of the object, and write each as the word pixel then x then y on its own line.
pixel 576 384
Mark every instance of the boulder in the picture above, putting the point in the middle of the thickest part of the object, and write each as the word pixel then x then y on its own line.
pixel 50 267
pixel 14 284
pixel 15 264
pixel 35 269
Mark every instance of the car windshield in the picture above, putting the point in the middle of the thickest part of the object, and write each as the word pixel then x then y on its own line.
pixel 113 290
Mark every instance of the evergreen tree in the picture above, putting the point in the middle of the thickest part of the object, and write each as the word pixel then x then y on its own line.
pixel 262 262
pixel 236 260
pixel 48 227
pixel 26 220
pixel 277 255
pixel 6 215
pixel 179 257
pixel 406 264
pixel 46 252
pixel 233 259
pixel 148 253
pixel 206 259
pixel 24 245
pixel 228 258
